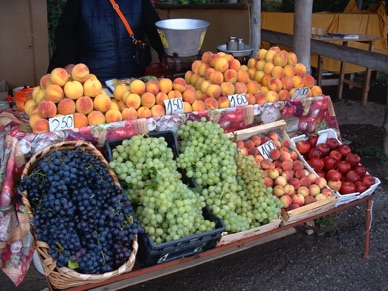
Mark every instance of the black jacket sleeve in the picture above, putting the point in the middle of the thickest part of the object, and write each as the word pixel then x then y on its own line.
pixel 150 17
pixel 66 49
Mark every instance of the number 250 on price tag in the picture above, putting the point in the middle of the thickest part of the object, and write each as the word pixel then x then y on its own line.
pixel 61 122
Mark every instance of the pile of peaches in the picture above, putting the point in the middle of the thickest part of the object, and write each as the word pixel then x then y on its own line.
pixel 286 173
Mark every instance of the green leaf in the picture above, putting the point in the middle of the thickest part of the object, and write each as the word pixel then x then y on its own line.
pixel 72 265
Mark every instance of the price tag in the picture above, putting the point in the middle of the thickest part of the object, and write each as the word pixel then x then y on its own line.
pixel 174 106
pixel 237 100
pixel 300 93
pixel 61 122
pixel 266 148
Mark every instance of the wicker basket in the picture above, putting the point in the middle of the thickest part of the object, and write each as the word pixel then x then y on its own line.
pixel 62 278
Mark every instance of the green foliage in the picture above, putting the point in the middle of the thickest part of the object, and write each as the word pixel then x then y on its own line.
pixel 54 11
pixel 324 221
pixel 373 152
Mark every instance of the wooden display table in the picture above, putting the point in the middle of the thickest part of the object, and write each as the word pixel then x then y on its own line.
pixel 139 275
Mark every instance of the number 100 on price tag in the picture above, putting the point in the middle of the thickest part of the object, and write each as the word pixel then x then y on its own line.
pixel 237 100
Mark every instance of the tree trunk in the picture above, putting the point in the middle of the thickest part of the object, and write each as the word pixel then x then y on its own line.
pixel 255 26
pixel 302 31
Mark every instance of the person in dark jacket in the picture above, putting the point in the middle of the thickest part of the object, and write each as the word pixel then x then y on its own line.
pixel 91 32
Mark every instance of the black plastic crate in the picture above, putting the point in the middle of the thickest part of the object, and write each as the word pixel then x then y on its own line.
pixel 150 254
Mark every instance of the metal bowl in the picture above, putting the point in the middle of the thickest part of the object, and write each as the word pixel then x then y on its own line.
pixel 182 37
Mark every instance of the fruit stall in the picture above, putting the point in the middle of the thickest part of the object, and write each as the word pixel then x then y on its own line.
pixel 109 185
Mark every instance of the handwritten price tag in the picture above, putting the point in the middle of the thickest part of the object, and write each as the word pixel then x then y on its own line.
pixel 173 106
pixel 61 122
pixel 237 100
pixel 300 93
pixel 266 148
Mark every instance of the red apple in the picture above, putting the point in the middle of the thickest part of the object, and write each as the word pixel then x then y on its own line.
pixel 360 187
pixel 312 139
pixel 333 175
pixel 336 155
pixel 316 163
pixel 334 184
pixel 314 153
pixel 303 147
pixel 368 180
pixel 324 148
pixel 347 187
pixel 309 199
pixel 344 149
pixel 329 163
pixel 360 169
pixel 293 206
pixel 343 167
pixel 327 192
pixel 352 176
pixel 332 143
pixel 353 159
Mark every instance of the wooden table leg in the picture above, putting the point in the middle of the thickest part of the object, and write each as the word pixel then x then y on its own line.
pixel 368 74
pixel 341 76
pixel 368 225
pixel 320 64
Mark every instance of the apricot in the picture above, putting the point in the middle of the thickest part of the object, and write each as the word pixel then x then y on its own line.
pixel 114 105
pixel 252 63
pixel 73 90
pixel 66 106
pixel 92 87
pixel 137 86
pixel 280 59
pixel 102 102
pixel 189 95
pixel 289 71
pixel 80 72
pixel 160 97
pixel 240 88
pixel 316 90
pixel 253 87
pixel 198 105
pixel 187 107
pixel 272 96
pixel 221 64
pixel 179 84
pixel 53 93
pixel 270 55
pixel 235 64
pixel 258 76
pixel 148 99
pixel 129 113
pixel 223 102
pixel 242 76
pixel 96 117
pixel 308 80
pixel 284 95
pixel 174 94
pixel 144 112
pixel 260 65
pixel 227 88
pixel 213 90
pixel 118 91
pixel 217 78
pixel 113 115
pixel 211 103
pixel 297 81
pixel 300 69
pixel 251 98
pixel 80 120
pixel 268 67
pixel 278 72
pixel 59 76
pixel 261 54
pixel 213 59
pixel 84 105
pixel 287 83
pixel 165 85
pixel 41 126
pixel 47 109
pixel 274 84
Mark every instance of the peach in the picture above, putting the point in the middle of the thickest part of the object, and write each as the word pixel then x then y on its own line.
pixel 251 73
pixel 308 80
pixel 148 100
pixel 125 96
pixel 84 105
pixel 242 76
pixel 275 48
pixel 121 105
pixel 160 97
pixel 316 90
pixel 274 84
pixel 260 65
pixel 265 79
pixel 47 109
pixel 251 98
pixel 270 55
pixel 114 105
pixel 287 83
pixel 152 86
pixel 66 106
pixel 54 93
pixel 300 69
pixel 187 107
pixel 253 87
pixel 80 72
pixel 195 66
pixel 59 76
pixel 209 72
pixel 272 96
pixel 309 93
pixel 202 69
pixel 280 59
pixel 298 81
pixel 129 113
pixel 229 57
pixel 165 85
pixel 268 67
pixel 240 88
pixel 38 94
pixel 284 95
pixel 198 105
pixel 244 68
pixel 206 56
pixel 92 87
pixel 188 75
pixel 92 76
pixel 137 86
pixel 194 78
pixel 204 85
pixel 179 84
pixel 34 118
pixel 258 76
pixel 230 75
pixel 174 94
pixel 96 117
pixel 252 63
pixel 113 115
pixel 118 91
pixel 200 95
pixel 221 64
pixel 144 112
pixel 80 120
pixel 227 88
pixel 29 106
pixel 292 59
pixel 235 64
pixel 158 110
pixel 41 126
pixel 261 54
pixel 198 83
pixel 45 81
pixel 278 72
pixel 289 71
pixel 211 103
pixel 264 89
pixel 223 102
pixel 214 91
pixel 102 102
pixel 213 59
pixel 217 78
pixel 189 95
pixel 73 89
